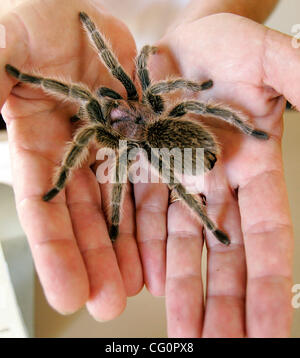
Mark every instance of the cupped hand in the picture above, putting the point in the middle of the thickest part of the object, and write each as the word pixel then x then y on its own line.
pixel 248 291
pixel 68 236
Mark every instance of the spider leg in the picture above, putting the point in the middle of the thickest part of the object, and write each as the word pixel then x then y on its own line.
pixel 141 64
pixel 108 92
pixel 72 159
pixel 108 57
pixel 228 115
pixel 77 151
pixel 197 207
pixel 170 86
pixel 156 102
pixel 108 137
pixel 190 200
pixel 122 167
pixel 70 91
pixel 177 84
pixel 77 117
pixel 51 85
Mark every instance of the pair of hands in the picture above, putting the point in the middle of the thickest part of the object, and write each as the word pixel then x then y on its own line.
pixel 249 282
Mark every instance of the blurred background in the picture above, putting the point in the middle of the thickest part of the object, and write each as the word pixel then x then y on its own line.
pixel 31 310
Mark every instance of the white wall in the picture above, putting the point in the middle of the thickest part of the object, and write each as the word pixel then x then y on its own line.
pixel 285 16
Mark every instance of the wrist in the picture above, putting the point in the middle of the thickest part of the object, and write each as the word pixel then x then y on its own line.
pixel 256 10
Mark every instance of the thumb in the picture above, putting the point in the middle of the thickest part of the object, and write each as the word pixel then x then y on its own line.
pixel 13 48
pixel 281 65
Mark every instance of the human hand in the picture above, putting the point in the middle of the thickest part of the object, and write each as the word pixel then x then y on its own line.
pixel 248 283
pixel 74 258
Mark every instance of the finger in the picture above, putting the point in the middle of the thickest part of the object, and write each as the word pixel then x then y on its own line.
pixel 184 291
pixel 126 246
pixel 151 201
pixel 107 297
pixel 267 230
pixel 276 73
pixel 13 49
pixel 47 226
pixel 226 265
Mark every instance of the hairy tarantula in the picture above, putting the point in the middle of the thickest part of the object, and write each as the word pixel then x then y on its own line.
pixel 142 122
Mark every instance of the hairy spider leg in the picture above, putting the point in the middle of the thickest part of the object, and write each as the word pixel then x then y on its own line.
pixel 156 102
pixel 77 117
pixel 101 92
pixel 77 152
pixel 72 159
pixel 108 92
pixel 190 200
pixel 177 84
pixel 122 166
pixel 141 65
pixel 174 85
pixel 110 138
pixel 108 57
pixel 196 206
pixel 216 111
pixel 69 91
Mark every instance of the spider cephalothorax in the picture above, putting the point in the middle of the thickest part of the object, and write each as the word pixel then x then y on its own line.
pixel 130 119
pixel 145 122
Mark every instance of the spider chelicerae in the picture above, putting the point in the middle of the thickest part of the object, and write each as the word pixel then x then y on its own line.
pixel 144 122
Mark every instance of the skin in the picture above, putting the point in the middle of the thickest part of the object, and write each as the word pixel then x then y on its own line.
pixel 256 10
pixel 74 257
pixel 246 194
pixel 248 283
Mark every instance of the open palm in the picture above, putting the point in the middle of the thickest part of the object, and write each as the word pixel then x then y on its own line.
pixel 74 257
pixel 249 282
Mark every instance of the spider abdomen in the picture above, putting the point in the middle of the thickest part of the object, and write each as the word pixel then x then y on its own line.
pixel 172 133
pixel 183 134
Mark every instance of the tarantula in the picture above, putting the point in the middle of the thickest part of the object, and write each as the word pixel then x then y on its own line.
pixel 143 122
